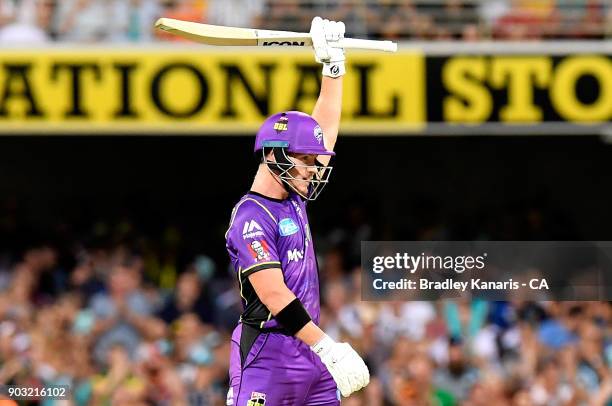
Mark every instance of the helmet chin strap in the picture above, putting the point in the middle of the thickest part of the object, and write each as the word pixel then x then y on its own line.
pixel 282 164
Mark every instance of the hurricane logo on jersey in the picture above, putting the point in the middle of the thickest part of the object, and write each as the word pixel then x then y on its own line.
pixel 318 134
pixel 287 227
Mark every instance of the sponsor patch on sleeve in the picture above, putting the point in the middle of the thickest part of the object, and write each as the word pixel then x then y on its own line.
pixel 259 250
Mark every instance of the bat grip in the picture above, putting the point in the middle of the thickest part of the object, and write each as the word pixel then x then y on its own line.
pixel 354 43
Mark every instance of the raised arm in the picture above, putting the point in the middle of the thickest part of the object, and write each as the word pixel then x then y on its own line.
pixel 328 109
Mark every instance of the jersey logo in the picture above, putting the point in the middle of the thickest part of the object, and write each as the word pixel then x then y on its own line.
pixel 257 399
pixel 259 250
pixel 251 230
pixel 295 255
pixel 287 227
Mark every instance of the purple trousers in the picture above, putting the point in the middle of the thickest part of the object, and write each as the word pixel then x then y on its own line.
pixel 277 370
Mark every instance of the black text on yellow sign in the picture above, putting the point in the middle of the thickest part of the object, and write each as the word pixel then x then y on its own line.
pixel 520 89
pixel 197 91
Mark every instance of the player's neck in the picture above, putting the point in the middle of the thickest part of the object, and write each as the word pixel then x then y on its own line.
pixel 266 184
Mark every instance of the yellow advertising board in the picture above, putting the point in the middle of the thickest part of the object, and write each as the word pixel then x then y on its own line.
pixel 194 90
pixel 161 91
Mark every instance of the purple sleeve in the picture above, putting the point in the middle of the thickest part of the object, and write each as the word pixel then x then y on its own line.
pixel 252 238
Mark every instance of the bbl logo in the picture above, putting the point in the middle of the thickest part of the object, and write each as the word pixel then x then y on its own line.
pixel 281 124
pixel 257 399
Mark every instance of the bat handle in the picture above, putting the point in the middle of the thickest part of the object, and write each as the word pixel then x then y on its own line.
pixel 354 43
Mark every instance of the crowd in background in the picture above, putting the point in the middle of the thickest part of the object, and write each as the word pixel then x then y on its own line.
pixel 115 314
pixel 128 21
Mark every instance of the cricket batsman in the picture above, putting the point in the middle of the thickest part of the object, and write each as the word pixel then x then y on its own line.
pixel 279 356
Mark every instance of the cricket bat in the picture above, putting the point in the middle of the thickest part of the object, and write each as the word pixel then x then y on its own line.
pixel 235 36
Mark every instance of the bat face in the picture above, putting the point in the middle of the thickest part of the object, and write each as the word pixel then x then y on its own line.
pixel 236 36
pixel 208 34
pixel 232 36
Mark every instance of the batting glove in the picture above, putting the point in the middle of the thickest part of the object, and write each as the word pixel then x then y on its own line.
pixel 344 364
pixel 324 33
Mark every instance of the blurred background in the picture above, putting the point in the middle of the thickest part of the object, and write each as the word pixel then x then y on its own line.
pixel 113 273
pixel 469 20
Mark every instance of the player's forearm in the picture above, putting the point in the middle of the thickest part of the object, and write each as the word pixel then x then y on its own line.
pixel 277 300
pixel 277 297
pixel 328 111
pixel 310 334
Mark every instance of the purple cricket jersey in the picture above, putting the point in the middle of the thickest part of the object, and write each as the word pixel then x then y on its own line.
pixel 272 368
pixel 272 233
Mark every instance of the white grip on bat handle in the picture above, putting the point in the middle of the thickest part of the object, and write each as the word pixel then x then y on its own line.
pixel 354 43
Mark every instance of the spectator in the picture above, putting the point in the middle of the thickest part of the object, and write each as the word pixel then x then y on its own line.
pixel 237 13
pixel 135 20
pixel 121 314
pixel 121 384
pixel 403 319
pixel 549 387
pixel 583 19
pixel 416 385
pixel 24 22
pixel 456 15
pixel 526 20
pixel 458 376
pixel 85 20
pixel 286 15
pixel 187 10
pixel 188 298
pixel 490 11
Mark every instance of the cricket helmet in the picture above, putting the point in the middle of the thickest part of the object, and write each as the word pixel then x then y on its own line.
pixel 295 131
pixel 298 133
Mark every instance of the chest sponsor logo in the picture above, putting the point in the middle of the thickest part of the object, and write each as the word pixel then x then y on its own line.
pixel 287 227
pixel 251 230
pixel 295 255
pixel 257 399
pixel 259 250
